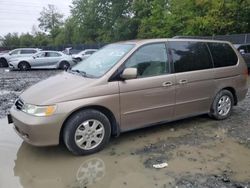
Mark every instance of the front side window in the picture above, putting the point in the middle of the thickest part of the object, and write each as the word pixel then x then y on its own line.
pixel 89 52
pixel 14 52
pixel 150 60
pixel 223 54
pixel 103 60
pixel 40 55
pixel 190 56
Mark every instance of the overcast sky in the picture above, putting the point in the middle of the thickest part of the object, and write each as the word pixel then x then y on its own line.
pixel 20 15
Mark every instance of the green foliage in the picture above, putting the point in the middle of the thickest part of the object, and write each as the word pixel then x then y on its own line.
pixel 93 21
pixel 50 18
pixel 11 40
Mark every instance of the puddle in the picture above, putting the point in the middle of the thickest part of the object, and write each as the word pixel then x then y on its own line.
pixel 119 164
pixel 4 92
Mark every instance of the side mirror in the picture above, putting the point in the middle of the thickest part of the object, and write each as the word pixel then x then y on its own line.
pixel 129 73
pixel 34 57
pixel 242 51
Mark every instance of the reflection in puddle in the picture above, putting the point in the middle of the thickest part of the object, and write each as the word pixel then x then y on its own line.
pixel 119 165
pixel 55 167
pixel 90 172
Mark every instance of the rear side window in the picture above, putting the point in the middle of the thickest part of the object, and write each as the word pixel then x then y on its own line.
pixel 53 54
pixel 28 51
pixel 190 56
pixel 223 54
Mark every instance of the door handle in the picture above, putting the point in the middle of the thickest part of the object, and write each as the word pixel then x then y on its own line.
pixel 167 84
pixel 183 81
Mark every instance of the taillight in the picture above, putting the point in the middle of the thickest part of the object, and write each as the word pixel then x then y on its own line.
pixel 246 72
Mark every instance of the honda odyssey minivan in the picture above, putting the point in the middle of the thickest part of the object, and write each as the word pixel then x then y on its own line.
pixel 130 85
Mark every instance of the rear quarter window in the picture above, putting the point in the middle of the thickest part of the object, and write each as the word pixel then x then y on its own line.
pixel 223 55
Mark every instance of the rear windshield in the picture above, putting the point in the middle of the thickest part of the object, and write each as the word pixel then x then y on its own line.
pixel 223 54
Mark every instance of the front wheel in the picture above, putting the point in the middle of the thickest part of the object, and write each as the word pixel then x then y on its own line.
pixel 86 132
pixel 24 66
pixel 222 105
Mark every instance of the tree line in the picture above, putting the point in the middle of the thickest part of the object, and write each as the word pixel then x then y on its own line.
pixel 104 21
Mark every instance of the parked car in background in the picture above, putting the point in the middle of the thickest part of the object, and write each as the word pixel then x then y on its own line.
pixel 130 85
pixel 43 60
pixel 244 49
pixel 16 53
pixel 84 54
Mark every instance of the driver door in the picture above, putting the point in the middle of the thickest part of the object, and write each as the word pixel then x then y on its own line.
pixel 39 60
pixel 150 98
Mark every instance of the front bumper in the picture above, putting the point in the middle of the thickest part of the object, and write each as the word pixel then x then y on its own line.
pixel 12 66
pixel 38 131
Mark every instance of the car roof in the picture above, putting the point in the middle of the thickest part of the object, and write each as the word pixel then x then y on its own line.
pixel 245 44
pixel 90 49
pixel 142 41
pixel 26 49
pixel 51 51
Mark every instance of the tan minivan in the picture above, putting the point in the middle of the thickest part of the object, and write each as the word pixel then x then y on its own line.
pixel 130 85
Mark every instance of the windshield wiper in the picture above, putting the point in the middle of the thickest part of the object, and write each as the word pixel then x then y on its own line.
pixel 82 73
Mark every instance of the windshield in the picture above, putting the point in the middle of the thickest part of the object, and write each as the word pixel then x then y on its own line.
pixel 103 60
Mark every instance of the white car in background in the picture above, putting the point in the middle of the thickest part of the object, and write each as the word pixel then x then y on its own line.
pixel 84 54
pixel 43 60
pixel 16 53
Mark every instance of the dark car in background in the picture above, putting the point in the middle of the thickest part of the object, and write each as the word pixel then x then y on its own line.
pixel 244 49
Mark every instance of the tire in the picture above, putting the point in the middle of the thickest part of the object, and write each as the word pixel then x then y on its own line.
pixel 222 105
pixel 3 62
pixel 24 66
pixel 64 65
pixel 80 132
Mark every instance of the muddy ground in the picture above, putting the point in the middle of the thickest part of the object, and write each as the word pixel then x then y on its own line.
pixel 200 152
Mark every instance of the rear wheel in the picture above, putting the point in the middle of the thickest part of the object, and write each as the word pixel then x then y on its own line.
pixel 3 62
pixel 64 65
pixel 24 66
pixel 86 132
pixel 222 105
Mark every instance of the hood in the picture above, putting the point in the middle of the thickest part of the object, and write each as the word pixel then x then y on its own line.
pixel 5 55
pixel 62 87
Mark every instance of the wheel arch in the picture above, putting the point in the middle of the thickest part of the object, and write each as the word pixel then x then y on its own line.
pixel 23 61
pixel 62 61
pixel 115 129
pixel 233 91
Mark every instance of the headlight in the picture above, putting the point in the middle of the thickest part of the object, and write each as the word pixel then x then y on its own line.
pixel 39 110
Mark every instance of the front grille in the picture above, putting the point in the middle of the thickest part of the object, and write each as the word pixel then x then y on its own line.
pixel 19 104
